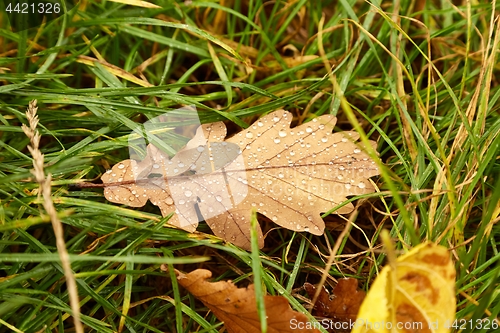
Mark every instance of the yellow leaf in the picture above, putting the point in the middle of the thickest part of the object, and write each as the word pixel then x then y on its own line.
pixel 416 295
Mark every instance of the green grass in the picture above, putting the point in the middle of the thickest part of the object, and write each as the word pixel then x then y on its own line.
pixel 426 90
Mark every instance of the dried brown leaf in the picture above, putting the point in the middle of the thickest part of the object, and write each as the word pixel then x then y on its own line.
pixel 290 175
pixel 237 307
pixel 340 307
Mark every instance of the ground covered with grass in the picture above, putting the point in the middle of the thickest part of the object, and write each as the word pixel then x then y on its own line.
pixel 420 78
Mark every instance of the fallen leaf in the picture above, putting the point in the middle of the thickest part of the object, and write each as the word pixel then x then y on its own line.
pixel 237 307
pixel 290 175
pixel 417 296
pixel 340 307
pixel 167 184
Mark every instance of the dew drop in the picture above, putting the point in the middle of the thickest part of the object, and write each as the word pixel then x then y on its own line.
pixel 361 185
pixel 277 140
pixel 348 186
pixel 260 124
pixel 156 166
pixel 281 175
pixel 188 193
pixel 344 140
pixel 298 227
pixel 324 139
pixel 218 198
pixel 282 133
pixel 121 166
pixel 131 198
pixel 276 119
pixel 275 218
pixel 357 151
pixel 169 201
pixel 109 171
pixel 309 129
pixel 182 202
pixel 306 229
pixel 200 148
pixel 249 135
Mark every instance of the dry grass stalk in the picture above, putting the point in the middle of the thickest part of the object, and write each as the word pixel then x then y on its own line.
pixel 34 136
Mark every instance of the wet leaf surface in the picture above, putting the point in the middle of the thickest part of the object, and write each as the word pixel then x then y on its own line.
pixel 290 175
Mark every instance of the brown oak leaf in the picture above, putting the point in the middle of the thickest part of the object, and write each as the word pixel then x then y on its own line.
pixel 340 307
pixel 290 175
pixel 237 307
